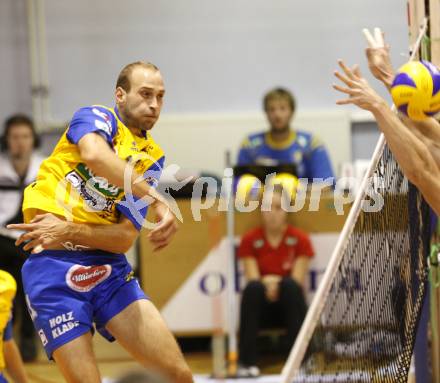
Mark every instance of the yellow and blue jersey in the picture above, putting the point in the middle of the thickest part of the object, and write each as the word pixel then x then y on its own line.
pixel 302 149
pixel 8 288
pixel 67 187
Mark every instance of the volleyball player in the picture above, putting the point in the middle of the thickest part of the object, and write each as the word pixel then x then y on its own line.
pixel 88 282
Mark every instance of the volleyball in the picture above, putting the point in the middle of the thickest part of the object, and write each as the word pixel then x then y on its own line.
pixel 416 90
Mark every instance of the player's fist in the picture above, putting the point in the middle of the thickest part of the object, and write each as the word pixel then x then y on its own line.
pixel 166 227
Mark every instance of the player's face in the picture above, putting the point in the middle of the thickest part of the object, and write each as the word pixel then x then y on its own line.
pixel 276 218
pixel 141 106
pixel 20 141
pixel 279 114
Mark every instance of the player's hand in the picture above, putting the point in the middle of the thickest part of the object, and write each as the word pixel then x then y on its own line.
pixel 357 88
pixel 166 227
pixel 272 285
pixel 44 232
pixel 378 55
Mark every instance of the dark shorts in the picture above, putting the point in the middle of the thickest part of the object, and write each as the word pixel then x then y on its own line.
pixel 70 292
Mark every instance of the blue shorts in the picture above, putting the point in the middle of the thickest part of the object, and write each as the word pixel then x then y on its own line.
pixel 2 378
pixel 67 292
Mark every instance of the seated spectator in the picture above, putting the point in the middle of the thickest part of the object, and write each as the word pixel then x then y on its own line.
pixel 276 260
pixel 19 164
pixel 282 144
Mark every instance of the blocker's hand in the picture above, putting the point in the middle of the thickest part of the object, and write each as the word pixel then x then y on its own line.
pixel 378 55
pixel 359 91
pixel 44 232
pixel 162 235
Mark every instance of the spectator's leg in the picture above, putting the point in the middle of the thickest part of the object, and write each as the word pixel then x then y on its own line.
pixel 294 308
pixel 252 305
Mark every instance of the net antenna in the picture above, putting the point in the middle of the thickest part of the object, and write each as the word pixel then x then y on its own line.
pixel 296 368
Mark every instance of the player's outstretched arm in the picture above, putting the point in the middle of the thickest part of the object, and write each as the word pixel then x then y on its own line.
pixel 101 159
pixel 411 153
pixel 379 62
pixel 14 363
pixel 48 232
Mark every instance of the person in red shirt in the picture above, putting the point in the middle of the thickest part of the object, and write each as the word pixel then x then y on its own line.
pixel 276 260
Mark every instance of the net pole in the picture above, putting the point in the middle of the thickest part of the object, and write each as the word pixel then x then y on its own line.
pixel 232 335
pixel 293 363
pixel 218 333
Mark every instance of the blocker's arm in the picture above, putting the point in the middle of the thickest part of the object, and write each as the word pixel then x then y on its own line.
pixel 379 62
pixel 411 153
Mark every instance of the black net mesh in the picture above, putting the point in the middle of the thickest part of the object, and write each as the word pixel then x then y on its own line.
pixel 367 330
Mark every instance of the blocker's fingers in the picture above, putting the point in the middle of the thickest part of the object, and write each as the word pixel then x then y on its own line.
pixel 344 79
pixel 378 36
pixel 370 39
pixel 345 101
pixel 346 69
pixel 343 90
pixel 357 71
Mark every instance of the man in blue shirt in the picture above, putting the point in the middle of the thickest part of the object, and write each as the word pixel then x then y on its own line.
pixel 283 145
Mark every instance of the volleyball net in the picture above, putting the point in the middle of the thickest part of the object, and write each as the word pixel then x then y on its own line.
pixel 362 323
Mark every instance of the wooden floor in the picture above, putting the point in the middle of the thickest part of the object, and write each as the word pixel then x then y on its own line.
pixel 114 361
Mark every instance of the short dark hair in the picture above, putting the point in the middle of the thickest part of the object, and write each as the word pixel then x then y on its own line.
pixel 14 120
pixel 123 80
pixel 279 94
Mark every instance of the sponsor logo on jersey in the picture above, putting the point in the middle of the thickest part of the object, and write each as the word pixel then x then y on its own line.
pixel 96 192
pixel 84 278
pixel 62 323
